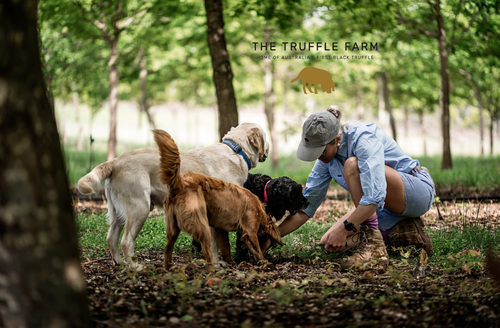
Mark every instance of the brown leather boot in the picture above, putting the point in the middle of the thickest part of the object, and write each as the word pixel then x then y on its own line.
pixel 408 232
pixel 370 252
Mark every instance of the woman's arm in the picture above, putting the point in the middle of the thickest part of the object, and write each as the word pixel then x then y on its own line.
pixel 292 223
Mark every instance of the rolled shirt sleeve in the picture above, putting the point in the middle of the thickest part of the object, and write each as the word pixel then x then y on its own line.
pixel 369 150
pixel 316 187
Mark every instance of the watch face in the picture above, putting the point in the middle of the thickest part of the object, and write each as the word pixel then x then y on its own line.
pixel 349 226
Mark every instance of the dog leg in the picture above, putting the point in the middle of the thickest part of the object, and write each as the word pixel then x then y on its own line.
pixel 173 232
pixel 222 238
pixel 204 237
pixel 253 243
pixel 115 228
pixel 215 250
pixel 241 250
pixel 134 224
pixel 112 239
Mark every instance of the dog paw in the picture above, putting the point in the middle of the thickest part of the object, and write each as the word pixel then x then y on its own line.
pixel 221 264
pixel 136 266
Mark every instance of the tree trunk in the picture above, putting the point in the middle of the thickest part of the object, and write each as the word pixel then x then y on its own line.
pixel 477 94
pixel 63 123
pixel 445 89
pixel 424 132
pixel 286 105
pixel 41 281
pixel 360 109
pixel 381 105
pixel 143 75
pixel 481 120
pixel 493 117
pixel 388 106
pixel 407 121
pixel 48 81
pixel 76 103
pixel 270 101
pixel 223 76
pixel 113 99
pixel 491 136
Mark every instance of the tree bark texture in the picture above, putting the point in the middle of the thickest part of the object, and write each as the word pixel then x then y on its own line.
pixel 445 88
pixel 113 100
pixel 477 93
pixel 388 106
pixel 381 104
pixel 424 132
pixel 479 98
pixel 41 282
pixel 494 113
pixel 223 76
pixel 360 108
pixel 270 102
pixel 76 105
pixel 143 76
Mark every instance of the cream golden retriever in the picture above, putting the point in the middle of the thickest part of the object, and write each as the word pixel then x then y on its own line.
pixel 133 189
pixel 197 202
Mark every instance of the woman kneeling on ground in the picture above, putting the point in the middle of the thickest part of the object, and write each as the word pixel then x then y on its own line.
pixel 389 189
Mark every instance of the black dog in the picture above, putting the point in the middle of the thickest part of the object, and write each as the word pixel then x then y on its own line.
pixel 279 195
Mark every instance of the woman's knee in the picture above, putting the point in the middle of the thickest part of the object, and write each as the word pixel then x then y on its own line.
pixel 351 167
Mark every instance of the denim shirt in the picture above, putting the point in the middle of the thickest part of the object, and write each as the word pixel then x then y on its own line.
pixel 374 149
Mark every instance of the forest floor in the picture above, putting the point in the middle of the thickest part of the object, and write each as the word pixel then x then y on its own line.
pixel 452 290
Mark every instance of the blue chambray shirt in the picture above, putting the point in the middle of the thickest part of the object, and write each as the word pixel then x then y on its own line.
pixel 374 149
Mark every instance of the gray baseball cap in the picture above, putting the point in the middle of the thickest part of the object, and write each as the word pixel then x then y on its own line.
pixel 318 130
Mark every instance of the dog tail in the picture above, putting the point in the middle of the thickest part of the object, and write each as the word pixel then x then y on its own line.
pixel 170 162
pixel 91 183
pixel 296 79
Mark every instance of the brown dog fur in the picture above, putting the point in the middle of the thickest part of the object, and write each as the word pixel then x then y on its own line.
pixel 196 202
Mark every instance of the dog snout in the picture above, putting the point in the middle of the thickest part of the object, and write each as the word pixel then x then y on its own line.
pixel 265 155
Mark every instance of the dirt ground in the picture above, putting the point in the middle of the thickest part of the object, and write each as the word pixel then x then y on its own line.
pixel 295 292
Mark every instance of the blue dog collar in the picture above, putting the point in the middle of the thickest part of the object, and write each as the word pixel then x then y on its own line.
pixel 237 149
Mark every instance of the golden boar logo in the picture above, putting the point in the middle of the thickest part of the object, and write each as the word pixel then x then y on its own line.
pixel 316 76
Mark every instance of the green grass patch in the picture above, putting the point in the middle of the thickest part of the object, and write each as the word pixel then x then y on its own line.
pixel 79 163
pixel 480 172
pixel 289 166
pixel 471 237
pixel 303 243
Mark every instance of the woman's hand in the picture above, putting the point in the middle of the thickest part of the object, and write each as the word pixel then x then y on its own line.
pixel 334 239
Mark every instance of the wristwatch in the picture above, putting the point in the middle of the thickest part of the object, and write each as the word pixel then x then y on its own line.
pixel 349 226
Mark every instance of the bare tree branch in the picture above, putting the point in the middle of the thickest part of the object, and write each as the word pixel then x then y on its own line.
pixel 100 25
pixel 408 21
pixel 455 19
pixel 464 31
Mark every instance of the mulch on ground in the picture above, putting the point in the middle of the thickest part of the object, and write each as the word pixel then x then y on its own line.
pixel 296 292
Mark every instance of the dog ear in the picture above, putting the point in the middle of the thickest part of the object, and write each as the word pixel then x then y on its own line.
pixel 257 140
pixel 274 234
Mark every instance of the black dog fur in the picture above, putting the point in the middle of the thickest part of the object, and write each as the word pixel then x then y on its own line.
pixel 283 194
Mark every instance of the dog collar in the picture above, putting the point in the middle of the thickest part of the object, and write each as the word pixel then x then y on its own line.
pixel 265 192
pixel 237 149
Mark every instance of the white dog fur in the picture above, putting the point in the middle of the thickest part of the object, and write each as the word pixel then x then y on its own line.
pixel 132 187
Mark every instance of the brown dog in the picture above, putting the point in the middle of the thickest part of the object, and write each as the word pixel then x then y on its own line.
pixel 196 202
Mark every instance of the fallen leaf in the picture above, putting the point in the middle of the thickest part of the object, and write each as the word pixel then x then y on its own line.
pixel 367 275
pixel 423 257
pixel 473 253
pixel 212 280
